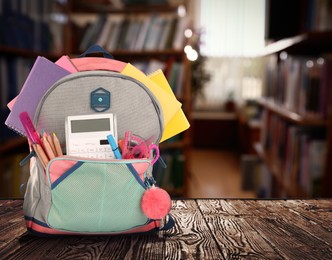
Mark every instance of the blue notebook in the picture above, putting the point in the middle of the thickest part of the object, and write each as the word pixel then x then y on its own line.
pixel 42 76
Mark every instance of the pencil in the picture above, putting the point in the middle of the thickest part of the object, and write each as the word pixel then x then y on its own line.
pixel 48 149
pixel 40 154
pixel 57 145
pixel 50 141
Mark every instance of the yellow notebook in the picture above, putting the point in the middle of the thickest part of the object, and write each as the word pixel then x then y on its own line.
pixel 179 122
pixel 168 103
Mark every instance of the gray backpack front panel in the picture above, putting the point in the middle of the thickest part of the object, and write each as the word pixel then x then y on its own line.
pixel 134 105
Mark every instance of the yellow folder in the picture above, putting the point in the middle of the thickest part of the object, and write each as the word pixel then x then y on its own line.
pixel 178 122
pixel 168 102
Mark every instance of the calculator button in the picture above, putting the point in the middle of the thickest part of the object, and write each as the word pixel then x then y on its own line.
pixel 101 149
pixel 73 150
pixel 83 149
pixel 91 149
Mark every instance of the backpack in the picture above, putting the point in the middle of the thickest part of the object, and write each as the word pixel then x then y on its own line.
pixel 93 195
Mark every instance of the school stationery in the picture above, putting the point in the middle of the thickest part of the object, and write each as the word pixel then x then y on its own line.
pixel 64 62
pixel 86 135
pixel 29 128
pixel 76 194
pixel 179 121
pixel 114 146
pixel 57 145
pixel 42 76
pixel 168 102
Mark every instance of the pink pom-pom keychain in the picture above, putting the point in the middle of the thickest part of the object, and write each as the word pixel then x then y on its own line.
pixel 156 203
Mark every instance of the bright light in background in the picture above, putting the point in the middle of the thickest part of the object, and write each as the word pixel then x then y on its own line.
pixel 191 53
pixel 188 33
pixel 182 11
pixel 232 27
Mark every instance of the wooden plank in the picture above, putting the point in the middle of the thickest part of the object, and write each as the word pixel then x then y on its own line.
pixel 316 211
pixel 232 232
pixel 135 247
pixel 308 225
pixel 287 238
pixel 191 237
pixel 204 229
pixel 12 224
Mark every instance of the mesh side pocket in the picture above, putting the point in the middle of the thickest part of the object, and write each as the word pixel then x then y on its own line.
pixel 97 197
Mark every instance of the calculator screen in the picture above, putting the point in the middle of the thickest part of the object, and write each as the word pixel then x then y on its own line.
pixel 90 125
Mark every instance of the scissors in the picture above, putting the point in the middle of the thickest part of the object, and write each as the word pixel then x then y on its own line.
pixel 135 147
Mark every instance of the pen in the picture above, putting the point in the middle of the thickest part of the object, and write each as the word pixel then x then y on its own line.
pixel 114 146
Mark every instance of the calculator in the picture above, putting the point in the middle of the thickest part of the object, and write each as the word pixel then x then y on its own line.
pixel 86 135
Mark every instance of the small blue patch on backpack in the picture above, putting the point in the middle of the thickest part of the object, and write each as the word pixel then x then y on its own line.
pixel 100 100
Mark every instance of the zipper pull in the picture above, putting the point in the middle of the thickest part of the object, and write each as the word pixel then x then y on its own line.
pixel 149 182
pixel 27 158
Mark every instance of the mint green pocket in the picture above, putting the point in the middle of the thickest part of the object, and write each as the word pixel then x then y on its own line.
pixel 97 197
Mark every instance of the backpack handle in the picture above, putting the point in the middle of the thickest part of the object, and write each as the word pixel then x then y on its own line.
pixel 95 49
pixel 90 60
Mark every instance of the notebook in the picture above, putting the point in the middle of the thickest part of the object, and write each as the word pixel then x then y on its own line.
pixel 168 102
pixel 178 122
pixel 63 62
pixel 42 76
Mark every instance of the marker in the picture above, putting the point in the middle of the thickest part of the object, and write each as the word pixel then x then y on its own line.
pixel 29 128
pixel 114 146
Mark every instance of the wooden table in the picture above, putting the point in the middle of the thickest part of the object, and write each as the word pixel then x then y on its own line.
pixel 204 229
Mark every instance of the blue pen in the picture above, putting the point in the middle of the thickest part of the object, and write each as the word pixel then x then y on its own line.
pixel 114 146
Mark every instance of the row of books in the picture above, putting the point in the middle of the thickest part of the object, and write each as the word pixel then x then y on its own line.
pixel 316 15
pixel 29 25
pixel 170 177
pixel 13 176
pixel 173 70
pixel 154 32
pixel 13 72
pixel 301 84
pixel 299 151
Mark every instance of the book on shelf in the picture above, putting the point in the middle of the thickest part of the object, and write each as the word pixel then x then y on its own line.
pixel 13 175
pixel 316 15
pixel 13 71
pixel 172 176
pixel 27 25
pixel 301 84
pixel 298 151
pixel 149 32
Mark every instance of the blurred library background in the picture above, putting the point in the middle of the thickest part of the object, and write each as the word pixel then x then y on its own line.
pixel 254 79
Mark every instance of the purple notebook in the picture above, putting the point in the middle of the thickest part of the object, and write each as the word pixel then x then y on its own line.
pixel 42 76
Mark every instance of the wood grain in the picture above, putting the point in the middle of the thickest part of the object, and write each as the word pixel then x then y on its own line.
pixel 233 233
pixel 280 228
pixel 204 229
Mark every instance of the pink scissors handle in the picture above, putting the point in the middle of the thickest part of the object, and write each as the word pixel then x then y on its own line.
pixel 156 149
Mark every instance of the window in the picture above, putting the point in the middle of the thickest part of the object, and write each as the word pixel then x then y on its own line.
pixel 231 34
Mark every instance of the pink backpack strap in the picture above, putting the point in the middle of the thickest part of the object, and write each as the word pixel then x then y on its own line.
pixel 98 63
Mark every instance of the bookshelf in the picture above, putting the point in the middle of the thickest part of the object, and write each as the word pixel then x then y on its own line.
pixel 27 31
pixel 296 139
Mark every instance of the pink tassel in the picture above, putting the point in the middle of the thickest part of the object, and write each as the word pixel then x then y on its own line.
pixel 156 203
